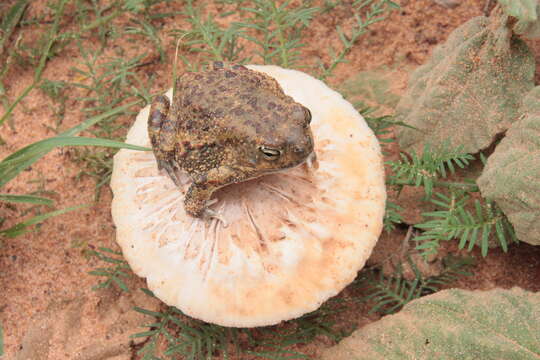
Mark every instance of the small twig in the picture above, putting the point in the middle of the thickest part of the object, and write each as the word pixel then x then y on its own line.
pixel 405 242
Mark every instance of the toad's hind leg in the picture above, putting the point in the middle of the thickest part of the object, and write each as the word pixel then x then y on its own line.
pixel 162 131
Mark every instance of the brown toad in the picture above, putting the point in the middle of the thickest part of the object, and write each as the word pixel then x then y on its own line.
pixel 227 125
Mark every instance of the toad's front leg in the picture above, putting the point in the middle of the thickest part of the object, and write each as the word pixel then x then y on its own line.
pixel 199 193
pixel 162 133
pixel 197 199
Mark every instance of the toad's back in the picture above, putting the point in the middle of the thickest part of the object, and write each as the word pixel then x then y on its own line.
pixel 226 125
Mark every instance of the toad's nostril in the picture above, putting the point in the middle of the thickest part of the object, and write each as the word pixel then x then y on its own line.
pixel 299 150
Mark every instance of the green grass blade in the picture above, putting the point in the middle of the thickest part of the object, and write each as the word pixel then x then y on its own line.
pixel 88 141
pixel 53 37
pixel 148 292
pixel 21 227
pixel 99 272
pixel 30 199
pixel 1 341
pixel 500 235
pixel 16 102
pixel 10 21
pixel 96 119
pixel 75 130
pixel 12 165
pixel 148 312
pixel 143 334
pixel 464 238
pixel 120 284
pixel 110 251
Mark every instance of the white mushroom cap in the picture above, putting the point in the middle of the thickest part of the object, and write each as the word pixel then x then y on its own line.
pixel 293 239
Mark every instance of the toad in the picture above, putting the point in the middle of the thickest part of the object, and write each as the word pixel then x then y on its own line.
pixel 227 125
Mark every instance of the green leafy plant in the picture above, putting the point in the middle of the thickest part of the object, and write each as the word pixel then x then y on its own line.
pixel 277 29
pixel 329 5
pixel 190 338
pixel 118 269
pixel 23 226
pixel 56 91
pixel 53 89
pixel 390 293
pixel 512 173
pixel 452 324
pixel 279 26
pixel 194 339
pixel 208 39
pixel 107 84
pixel 381 125
pixel 526 12
pixel 470 90
pixel 461 97
pixel 145 28
pixel 13 164
pixel 426 169
pixel 51 38
pixel 376 12
pixel 10 21
pixel 20 160
pixel 145 7
pixel 144 25
pixel 95 18
pixel 392 216
pixel 455 221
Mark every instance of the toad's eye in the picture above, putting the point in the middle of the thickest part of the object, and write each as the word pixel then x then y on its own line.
pixel 270 153
pixel 307 115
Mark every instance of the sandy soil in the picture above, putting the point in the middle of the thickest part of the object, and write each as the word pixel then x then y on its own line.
pixel 47 307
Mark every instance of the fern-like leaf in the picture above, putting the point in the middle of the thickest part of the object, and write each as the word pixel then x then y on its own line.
pixel 391 293
pixel 114 274
pixel 209 38
pixel 454 221
pixel 424 170
pixel 279 29
pixel 193 339
pixel 392 216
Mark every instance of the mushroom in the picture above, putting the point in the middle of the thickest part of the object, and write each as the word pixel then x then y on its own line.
pixel 288 242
